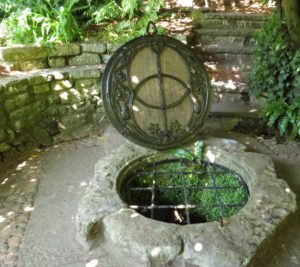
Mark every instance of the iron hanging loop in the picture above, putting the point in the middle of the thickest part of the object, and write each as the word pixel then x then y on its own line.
pixel 151 28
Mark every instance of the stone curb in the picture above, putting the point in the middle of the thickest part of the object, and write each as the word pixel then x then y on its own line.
pixel 243 237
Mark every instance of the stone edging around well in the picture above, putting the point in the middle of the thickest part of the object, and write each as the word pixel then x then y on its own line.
pixel 103 217
pixel 62 102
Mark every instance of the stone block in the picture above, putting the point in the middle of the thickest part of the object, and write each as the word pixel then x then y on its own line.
pixel 4 147
pixel 21 113
pixel 22 99
pixel 53 99
pixel 85 59
pixel 16 87
pixel 34 80
pixel 71 96
pixel 10 65
pixel 39 106
pixel 105 58
pixel 73 120
pixel 53 110
pixel 36 64
pixel 41 89
pixel 22 52
pixel 85 83
pixel 64 50
pixel 56 62
pixel 61 85
pixel 17 101
pixel 58 75
pixel 112 47
pixel 85 73
pixel 99 48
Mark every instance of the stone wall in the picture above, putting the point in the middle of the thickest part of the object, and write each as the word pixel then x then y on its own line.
pixel 50 93
pixel 57 105
pixel 27 58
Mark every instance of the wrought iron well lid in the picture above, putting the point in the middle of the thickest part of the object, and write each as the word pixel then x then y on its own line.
pixel 156 91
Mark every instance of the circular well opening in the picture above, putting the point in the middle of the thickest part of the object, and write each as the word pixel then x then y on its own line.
pixel 182 191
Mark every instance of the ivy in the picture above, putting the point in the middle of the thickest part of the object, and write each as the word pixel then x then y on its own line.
pixel 276 77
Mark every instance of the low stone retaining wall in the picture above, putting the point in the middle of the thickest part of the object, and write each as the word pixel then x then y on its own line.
pixel 62 103
pixel 26 58
pixel 51 92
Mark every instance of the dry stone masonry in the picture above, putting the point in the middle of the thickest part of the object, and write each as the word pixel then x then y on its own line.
pixel 63 101
pixel 27 58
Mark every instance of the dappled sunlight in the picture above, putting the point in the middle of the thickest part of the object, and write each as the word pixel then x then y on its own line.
pixel 92 263
pixel 212 156
pixel 135 108
pixel 62 126
pixel 185 3
pixel 134 215
pixel 4 181
pixel 155 251
pixel 28 209
pixel 10 213
pixel 228 85
pixel 2 219
pixel 135 79
pixel 64 96
pixel 21 165
pixel 83 184
pixel 198 247
pixel 75 93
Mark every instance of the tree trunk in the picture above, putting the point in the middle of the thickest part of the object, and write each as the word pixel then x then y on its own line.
pixel 292 13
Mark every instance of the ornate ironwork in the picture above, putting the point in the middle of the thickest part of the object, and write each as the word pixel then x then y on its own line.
pixel 119 94
pixel 145 188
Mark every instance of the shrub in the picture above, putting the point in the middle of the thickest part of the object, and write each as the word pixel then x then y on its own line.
pixel 43 22
pixel 275 76
pixel 134 16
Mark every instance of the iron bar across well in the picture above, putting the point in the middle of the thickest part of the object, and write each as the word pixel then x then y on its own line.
pixel 185 189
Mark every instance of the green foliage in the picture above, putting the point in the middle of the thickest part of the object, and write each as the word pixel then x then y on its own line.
pixel 197 16
pixel 109 10
pixel 198 177
pixel 135 16
pixel 43 22
pixel 276 77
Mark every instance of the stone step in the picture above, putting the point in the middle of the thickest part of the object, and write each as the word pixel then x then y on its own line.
pixel 235 110
pixel 224 36
pixel 228 75
pixel 229 84
pixel 233 49
pixel 223 95
pixel 229 54
pixel 233 20
pixel 228 66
